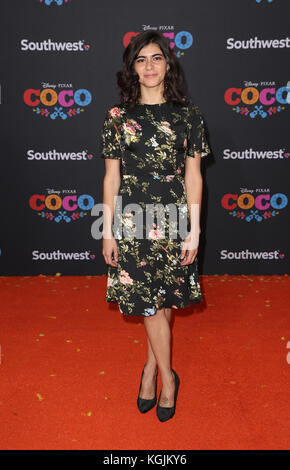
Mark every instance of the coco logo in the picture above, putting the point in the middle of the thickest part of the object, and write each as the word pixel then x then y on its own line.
pixel 259 207
pixel 64 103
pixel 257 100
pixel 58 207
pixel 56 2
pixel 182 40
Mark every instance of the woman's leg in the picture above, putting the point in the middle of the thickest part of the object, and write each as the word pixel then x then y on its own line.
pixel 151 364
pixel 159 353
pixel 168 314
pixel 150 369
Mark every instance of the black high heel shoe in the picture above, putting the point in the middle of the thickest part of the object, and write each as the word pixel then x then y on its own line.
pixel 162 412
pixel 143 404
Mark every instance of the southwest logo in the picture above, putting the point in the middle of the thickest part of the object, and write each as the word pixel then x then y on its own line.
pixel 48 45
pixel 58 255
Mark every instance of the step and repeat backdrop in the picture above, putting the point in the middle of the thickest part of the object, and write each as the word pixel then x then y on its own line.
pixel 59 60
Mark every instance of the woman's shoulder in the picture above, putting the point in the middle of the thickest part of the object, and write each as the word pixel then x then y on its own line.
pixel 193 109
pixel 114 113
pixel 115 109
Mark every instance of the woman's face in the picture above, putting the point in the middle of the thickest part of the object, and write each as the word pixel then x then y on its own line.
pixel 150 65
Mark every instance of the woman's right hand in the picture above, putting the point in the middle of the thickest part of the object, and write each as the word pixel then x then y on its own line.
pixel 110 251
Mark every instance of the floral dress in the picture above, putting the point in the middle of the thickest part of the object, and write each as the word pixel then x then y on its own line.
pixel 152 141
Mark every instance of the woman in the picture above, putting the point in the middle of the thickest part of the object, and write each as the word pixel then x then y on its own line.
pixel 151 132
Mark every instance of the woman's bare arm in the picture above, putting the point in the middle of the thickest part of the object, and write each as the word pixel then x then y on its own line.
pixel 193 185
pixel 111 185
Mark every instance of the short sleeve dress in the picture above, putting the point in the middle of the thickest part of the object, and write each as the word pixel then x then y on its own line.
pixel 152 141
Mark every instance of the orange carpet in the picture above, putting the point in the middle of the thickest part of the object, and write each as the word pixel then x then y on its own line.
pixel 71 365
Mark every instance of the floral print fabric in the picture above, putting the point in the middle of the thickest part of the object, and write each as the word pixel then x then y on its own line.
pixel 152 143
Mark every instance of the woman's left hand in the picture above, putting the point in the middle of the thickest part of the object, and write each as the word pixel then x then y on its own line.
pixel 189 248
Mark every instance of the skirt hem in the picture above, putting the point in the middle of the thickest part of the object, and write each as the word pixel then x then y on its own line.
pixel 185 305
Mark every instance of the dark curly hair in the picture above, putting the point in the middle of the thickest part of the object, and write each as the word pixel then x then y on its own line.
pixel 128 79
